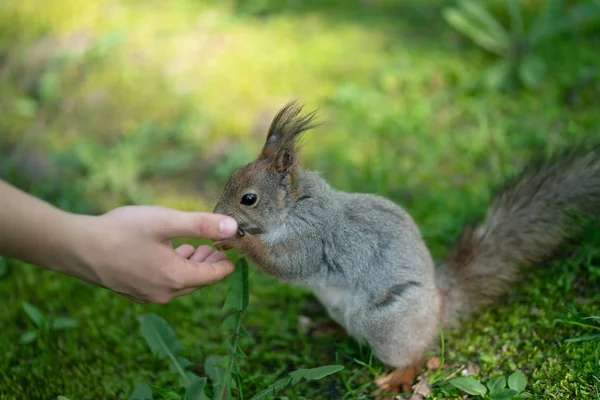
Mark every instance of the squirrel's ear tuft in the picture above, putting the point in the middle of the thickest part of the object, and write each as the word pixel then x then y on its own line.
pixel 285 129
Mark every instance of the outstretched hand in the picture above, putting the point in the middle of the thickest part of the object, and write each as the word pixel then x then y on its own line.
pixel 132 252
pixel 127 250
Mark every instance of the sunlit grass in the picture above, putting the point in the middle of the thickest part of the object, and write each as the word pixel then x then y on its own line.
pixel 157 102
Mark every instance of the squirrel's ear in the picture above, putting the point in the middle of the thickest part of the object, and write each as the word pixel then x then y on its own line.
pixel 285 129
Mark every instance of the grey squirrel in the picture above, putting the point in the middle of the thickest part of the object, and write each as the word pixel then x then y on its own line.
pixel 363 256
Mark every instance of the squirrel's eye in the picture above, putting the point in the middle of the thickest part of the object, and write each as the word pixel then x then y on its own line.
pixel 248 199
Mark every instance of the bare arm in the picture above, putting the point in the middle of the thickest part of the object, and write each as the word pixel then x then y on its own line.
pixel 127 250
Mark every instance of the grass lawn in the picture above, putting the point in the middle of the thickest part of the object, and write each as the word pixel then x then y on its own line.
pixel 112 102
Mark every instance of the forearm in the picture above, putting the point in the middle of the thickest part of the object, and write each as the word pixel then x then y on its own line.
pixel 34 231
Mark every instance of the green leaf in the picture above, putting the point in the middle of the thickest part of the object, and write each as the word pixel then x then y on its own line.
pixel 583 338
pixel 573 322
pixel 515 13
pixel 476 10
pixel 159 336
pixel 214 368
pixel 196 389
pixel 63 323
pixel 469 385
pixel 166 394
pixel 545 25
pixel 531 71
pixel 62 398
pixel 238 295
pixel 469 28
pixel 141 392
pixel 29 337
pixel 293 378
pixel 188 379
pixel 3 267
pixel 273 388
pixel 499 75
pixel 524 395
pixel 243 332
pixel 503 394
pixel 183 362
pixel 314 374
pixel 231 322
pixel 517 381
pixel 496 383
pixel 593 317
pixel 163 342
pixel 34 314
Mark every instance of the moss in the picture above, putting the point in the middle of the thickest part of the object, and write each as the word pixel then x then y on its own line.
pixel 157 102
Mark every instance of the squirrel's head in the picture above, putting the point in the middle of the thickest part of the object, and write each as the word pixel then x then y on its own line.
pixel 258 195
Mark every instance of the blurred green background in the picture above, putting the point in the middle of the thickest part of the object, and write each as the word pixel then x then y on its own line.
pixel 105 103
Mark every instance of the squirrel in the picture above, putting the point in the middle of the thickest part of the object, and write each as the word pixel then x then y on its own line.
pixel 363 256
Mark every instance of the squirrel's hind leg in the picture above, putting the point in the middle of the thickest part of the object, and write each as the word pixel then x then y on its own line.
pixel 400 380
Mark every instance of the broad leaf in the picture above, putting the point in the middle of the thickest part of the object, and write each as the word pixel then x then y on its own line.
pixel 515 12
pixel 183 362
pixel 141 392
pixel 238 296
pixel 196 389
pixel 496 383
pixel 166 394
pixel 159 336
pixel 469 385
pixel 29 337
pixel 273 388
pixel 187 378
pixel 544 26
pixel 34 314
pixel 469 28
pixel 62 398
pixel 524 395
pixel 231 322
pixel 531 71
pixel 63 323
pixel 503 394
pixel 214 368
pixel 478 13
pixel 499 75
pixel 293 378
pixel 314 374
pixel 517 381
pixel 163 342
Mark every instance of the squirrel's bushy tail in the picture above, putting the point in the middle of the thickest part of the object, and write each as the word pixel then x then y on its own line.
pixel 527 220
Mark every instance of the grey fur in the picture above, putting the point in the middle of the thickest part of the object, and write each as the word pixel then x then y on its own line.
pixel 354 251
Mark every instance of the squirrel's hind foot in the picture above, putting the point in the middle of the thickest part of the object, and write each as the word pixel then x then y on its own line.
pixel 400 381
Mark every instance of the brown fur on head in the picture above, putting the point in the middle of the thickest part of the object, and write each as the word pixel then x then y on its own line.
pixel 258 193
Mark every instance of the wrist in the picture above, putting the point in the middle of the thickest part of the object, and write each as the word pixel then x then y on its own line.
pixel 74 249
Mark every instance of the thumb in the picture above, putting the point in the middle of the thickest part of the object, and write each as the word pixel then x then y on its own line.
pixel 196 225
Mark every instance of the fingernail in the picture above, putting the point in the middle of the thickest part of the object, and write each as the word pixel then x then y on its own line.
pixel 227 226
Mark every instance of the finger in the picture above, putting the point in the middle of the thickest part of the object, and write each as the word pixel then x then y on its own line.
pixel 201 274
pixel 195 224
pixel 185 250
pixel 185 292
pixel 216 256
pixel 132 298
pixel 201 254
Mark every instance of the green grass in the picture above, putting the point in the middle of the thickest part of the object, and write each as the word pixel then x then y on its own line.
pixel 106 103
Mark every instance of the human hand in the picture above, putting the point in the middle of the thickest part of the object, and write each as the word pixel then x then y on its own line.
pixel 129 251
